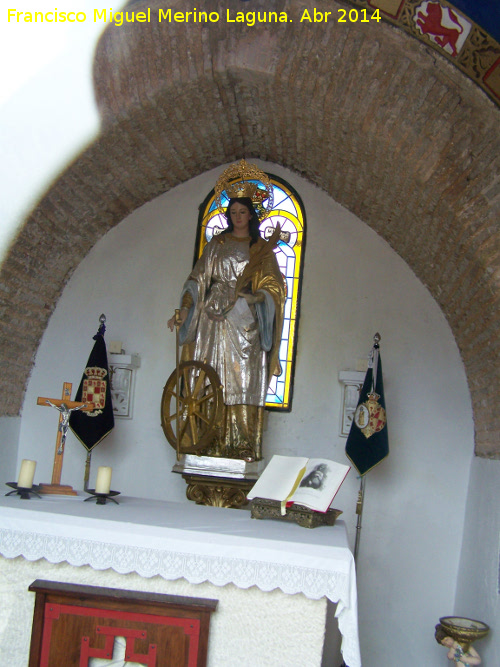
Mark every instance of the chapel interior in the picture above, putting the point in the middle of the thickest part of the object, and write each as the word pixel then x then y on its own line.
pixel 394 150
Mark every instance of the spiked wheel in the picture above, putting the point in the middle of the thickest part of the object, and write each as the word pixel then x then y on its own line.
pixel 200 407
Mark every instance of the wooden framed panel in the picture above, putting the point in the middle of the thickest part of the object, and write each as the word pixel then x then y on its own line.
pixel 86 626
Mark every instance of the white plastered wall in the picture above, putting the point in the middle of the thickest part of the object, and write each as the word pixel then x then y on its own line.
pixel 9 437
pixel 478 585
pixel 354 285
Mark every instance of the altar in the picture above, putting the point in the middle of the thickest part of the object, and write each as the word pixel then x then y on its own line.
pixel 272 579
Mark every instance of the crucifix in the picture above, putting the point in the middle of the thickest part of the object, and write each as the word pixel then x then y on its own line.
pixel 65 407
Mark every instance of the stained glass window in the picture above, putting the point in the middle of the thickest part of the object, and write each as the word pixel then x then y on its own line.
pixel 288 211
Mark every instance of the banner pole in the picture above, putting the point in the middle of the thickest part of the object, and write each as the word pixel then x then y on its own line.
pixel 359 512
pixel 87 471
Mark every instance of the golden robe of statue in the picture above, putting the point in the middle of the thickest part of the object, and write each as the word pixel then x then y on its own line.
pixel 240 340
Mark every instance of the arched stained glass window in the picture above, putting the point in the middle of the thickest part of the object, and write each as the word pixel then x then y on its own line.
pixel 288 212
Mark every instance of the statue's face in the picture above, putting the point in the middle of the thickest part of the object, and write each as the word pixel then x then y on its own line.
pixel 240 217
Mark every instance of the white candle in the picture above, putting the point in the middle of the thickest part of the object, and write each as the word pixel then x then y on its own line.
pixel 26 474
pixel 103 482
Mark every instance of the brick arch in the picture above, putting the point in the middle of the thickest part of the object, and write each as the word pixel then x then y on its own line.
pixel 389 130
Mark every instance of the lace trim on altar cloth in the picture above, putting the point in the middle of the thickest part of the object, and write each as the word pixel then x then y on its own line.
pixel 174 565
pixel 196 569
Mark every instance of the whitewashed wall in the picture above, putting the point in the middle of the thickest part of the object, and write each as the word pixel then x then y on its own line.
pixel 9 438
pixel 354 285
pixel 478 586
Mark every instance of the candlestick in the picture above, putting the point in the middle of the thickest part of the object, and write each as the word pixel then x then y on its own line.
pixel 101 498
pixel 25 494
pixel 103 482
pixel 26 474
pixel 24 486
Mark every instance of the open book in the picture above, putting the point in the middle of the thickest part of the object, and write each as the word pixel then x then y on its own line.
pixel 295 479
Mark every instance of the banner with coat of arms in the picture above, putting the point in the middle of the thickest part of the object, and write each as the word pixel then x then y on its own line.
pixel 91 427
pixel 368 440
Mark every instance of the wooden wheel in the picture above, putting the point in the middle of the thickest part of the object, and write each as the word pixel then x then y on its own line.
pixel 200 407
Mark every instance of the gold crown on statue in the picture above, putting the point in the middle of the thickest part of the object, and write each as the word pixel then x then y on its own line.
pixel 95 372
pixel 243 179
pixel 245 189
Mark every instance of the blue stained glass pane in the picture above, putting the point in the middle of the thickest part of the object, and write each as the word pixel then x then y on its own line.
pixel 286 329
pixel 286 205
pixel 289 272
pixel 280 393
pixel 286 251
pixel 279 196
pixel 281 262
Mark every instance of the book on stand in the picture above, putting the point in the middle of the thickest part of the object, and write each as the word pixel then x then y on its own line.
pixel 312 483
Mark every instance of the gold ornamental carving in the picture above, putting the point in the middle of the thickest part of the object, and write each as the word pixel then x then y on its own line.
pixel 238 181
pixel 217 492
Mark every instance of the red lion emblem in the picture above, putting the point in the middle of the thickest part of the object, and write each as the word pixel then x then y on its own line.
pixel 432 24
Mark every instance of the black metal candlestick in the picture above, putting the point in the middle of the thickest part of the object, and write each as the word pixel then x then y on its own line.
pixel 23 492
pixel 101 497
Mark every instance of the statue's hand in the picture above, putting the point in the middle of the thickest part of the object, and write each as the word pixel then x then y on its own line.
pixel 178 319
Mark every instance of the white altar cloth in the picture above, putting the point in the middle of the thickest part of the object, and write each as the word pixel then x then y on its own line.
pixel 197 543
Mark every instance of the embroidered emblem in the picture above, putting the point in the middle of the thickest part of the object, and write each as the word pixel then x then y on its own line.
pixel 445 27
pixel 370 416
pixel 94 389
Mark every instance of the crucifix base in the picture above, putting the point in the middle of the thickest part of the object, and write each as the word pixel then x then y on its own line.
pixel 59 489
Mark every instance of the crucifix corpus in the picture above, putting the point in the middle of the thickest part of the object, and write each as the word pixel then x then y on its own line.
pixel 65 407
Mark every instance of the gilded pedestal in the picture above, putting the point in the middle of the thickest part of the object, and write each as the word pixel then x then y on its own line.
pixel 218 482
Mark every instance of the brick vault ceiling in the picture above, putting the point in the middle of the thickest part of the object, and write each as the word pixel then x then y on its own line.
pixel 387 128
